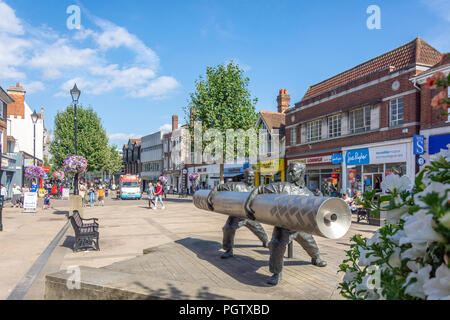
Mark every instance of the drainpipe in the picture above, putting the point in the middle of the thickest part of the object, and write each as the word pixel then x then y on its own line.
pixel 415 85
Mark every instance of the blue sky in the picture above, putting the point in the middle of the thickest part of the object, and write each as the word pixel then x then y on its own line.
pixel 136 61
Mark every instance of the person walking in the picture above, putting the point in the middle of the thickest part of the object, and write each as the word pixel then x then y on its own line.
pixel 101 195
pixel 16 195
pixel 158 196
pixel 92 195
pixel 151 195
pixel 46 200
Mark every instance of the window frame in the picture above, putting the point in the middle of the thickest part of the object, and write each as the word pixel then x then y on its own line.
pixel 397 121
pixel 293 136
pixel 309 129
pixel 366 119
pixel 334 124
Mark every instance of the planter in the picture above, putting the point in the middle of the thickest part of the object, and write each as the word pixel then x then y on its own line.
pixel 377 220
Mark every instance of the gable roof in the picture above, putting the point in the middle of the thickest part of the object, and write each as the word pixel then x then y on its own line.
pixel 273 120
pixel 416 51
pixel 135 141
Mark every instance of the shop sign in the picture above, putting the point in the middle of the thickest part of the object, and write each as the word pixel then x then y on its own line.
pixel 271 167
pixel 313 160
pixel 420 161
pixel 388 154
pixel 436 143
pixel 337 158
pixel 419 144
pixel 28 162
pixel 357 156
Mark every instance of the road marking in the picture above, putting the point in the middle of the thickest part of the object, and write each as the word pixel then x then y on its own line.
pixel 27 281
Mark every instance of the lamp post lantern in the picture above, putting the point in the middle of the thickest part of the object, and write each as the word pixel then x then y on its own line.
pixel 75 93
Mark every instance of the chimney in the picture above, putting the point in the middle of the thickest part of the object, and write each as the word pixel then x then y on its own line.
pixel 17 108
pixel 283 100
pixel 174 122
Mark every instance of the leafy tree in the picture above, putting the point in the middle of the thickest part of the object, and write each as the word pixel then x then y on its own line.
pixel 92 141
pixel 222 101
pixel 113 161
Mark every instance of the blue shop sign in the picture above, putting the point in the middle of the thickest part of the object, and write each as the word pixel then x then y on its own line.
pixel 357 156
pixel 236 170
pixel 337 158
pixel 438 142
pixel 419 144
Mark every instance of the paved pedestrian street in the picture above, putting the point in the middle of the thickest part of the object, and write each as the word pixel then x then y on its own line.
pixel 182 246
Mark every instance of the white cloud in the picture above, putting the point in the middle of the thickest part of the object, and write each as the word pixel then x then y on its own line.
pixel 9 23
pixel 121 136
pixel 33 86
pixel 165 128
pixel 68 59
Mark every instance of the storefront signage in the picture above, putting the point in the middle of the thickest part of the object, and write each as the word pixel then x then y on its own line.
pixel 357 156
pixel 313 160
pixel 271 167
pixel 420 161
pixel 388 154
pixel 337 158
pixel 436 143
pixel 419 144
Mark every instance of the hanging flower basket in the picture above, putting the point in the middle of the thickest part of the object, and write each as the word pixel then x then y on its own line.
pixel 74 164
pixel 58 175
pixel 34 172
pixel 194 176
pixel 163 179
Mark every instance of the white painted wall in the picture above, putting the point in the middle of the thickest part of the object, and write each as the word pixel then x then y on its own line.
pixel 22 130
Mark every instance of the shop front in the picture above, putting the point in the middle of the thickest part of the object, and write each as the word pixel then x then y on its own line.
pixel 323 173
pixel 365 168
pixel 269 171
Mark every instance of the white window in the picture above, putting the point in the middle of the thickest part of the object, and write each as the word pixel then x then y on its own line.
pixel 396 113
pixel 314 130
pixel 1 109
pixel 293 136
pixel 359 120
pixel 334 126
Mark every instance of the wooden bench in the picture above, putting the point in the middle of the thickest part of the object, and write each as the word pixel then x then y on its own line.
pixel 86 234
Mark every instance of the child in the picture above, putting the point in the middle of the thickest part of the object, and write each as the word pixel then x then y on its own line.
pixel 46 200
pixel 101 194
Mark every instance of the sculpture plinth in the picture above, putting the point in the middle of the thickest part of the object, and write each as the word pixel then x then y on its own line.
pixel 325 217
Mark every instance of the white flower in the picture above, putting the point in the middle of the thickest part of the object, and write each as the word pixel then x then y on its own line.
pixel 445 220
pixel 395 182
pixel 374 240
pixel 393 216
pixel 416 289
pixel 417 250
pixel 435 187
pixel 419 228
pixel 394 259
pixel 350 275
pixel 364 259
pixel 438 288
pixel 397 236
pixel 443 153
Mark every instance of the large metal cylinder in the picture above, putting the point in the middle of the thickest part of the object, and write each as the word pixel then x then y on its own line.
pixel 320 216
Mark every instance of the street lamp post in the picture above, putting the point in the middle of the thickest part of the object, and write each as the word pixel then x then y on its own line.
pixel 75 93
pixel 34 118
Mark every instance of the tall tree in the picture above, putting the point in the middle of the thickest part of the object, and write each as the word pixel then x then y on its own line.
pixel 91 137
pixel 222 101
pixel 113 161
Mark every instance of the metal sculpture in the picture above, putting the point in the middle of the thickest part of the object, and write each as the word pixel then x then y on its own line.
pixel 234 223
pixel 291 208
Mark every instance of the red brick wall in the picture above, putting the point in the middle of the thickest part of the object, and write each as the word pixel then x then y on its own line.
pixel 371 93
pixel 17 108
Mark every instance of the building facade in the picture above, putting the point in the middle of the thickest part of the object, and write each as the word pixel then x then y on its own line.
pixel 152 158
pixel 131 156
pixel 357 127
pixel 434 121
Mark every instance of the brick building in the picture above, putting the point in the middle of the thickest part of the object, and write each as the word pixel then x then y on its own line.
pixel 358 126
pixel 170 169
pixel 434 126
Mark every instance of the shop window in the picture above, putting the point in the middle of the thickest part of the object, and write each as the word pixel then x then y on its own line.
pixel 396 111
pixel 314 130
pixel 398 168
pixel 334 126
pixel 359 120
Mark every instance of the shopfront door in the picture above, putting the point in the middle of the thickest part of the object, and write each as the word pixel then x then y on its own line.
pixel 372 181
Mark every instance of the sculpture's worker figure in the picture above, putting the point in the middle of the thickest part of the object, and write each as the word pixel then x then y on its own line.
pixel 233 223
pixel 281 237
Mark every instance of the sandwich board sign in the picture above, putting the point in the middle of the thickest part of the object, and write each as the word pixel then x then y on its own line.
pixel 65 193
pixel 30 202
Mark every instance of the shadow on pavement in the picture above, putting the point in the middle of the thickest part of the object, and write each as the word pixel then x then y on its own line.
pixel 68 242
pixel 241 268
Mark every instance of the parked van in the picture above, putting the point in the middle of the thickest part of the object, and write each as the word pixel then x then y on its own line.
pixel 129 187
